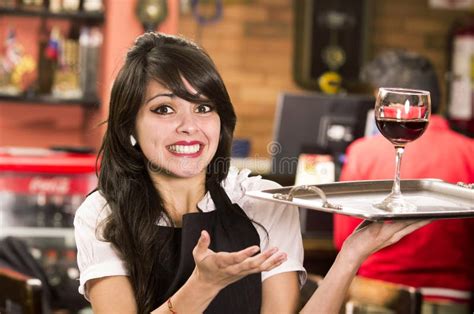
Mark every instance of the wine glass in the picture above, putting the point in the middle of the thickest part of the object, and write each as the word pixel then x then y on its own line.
pixel 402 116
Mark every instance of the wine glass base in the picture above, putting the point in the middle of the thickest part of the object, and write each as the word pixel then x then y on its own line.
pixel 395 204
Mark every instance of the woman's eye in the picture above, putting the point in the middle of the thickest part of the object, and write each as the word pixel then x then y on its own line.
pixel 163 109
pixel 204 108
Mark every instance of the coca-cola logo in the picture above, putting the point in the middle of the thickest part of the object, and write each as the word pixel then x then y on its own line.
pixel 54 185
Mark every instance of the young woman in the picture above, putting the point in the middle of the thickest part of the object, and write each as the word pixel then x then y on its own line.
pixel 169 229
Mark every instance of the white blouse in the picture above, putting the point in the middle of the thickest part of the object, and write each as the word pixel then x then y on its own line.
pixel 98 259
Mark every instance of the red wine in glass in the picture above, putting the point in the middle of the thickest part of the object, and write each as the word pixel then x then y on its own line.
pixel 401 132
pixel 402 116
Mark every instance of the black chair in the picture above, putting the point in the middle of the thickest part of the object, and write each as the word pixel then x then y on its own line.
pixel 19 293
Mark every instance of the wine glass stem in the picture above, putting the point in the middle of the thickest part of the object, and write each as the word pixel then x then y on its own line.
pixel 398 161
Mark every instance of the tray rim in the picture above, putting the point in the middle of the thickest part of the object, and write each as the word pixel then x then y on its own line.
pixel 428 184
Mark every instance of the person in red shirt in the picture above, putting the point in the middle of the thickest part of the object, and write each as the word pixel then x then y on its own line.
pixel 438 258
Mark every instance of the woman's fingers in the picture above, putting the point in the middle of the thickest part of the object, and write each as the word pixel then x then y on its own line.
pixel 202 246
pixel 389 232
pixel 377 235
pixel 404 227
pixel 243 263
pixel 225 259
pixel 274 261
pixel 244 257
pixel 388 228
pixel 262 262
pixel 407 228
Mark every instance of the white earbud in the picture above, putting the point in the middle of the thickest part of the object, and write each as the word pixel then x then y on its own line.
pixel 133 141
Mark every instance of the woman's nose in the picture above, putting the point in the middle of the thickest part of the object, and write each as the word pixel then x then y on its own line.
pixel 187 124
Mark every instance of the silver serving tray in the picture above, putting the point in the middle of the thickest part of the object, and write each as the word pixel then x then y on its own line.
pixel 434 198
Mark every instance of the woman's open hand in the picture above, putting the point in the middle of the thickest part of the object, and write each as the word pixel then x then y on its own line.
pixel 377 235
pixel 223 268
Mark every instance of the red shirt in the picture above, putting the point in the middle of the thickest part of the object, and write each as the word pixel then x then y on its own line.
pixel 440 254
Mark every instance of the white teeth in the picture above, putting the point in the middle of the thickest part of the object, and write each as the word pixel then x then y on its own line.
pixel 184 149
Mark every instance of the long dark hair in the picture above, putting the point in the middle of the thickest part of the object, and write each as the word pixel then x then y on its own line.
pixel 124 180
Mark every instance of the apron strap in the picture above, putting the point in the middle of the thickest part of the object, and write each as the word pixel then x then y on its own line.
pixel 219 196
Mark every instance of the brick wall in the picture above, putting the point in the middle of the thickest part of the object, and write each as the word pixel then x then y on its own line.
pixel 252 47
pixel 412 24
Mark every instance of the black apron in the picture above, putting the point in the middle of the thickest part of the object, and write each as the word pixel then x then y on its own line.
pixel 230 230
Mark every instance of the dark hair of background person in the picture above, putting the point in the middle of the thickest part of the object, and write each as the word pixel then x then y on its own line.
pixel 135 204
pixel 404 69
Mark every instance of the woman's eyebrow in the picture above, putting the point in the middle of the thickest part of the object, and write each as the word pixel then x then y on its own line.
pixel 170 95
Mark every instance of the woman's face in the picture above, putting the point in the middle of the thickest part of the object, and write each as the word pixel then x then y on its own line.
pixel 178 137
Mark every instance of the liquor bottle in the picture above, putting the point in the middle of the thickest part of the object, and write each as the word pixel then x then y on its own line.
pixel 461 89
pixel 48 59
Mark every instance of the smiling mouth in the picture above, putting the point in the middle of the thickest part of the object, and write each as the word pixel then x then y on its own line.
pixel 184 149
